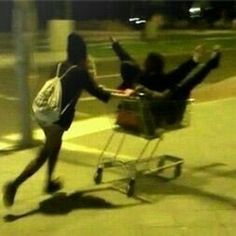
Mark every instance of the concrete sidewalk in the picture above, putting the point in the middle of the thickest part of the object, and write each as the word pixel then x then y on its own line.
pixel 201 201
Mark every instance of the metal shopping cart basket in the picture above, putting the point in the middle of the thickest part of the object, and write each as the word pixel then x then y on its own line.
pixel 149 120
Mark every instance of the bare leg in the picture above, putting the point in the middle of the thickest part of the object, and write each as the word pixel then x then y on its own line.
pixel 49 151
pixel 32 167
pixel 10 188
pixel 54 141
pixel 52 160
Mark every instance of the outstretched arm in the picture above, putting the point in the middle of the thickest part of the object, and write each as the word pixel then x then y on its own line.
pixel 120 51
pixel 102 93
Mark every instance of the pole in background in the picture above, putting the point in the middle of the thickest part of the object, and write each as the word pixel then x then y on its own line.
pixel 22 35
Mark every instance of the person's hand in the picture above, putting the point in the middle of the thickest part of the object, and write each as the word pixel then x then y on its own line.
pixel 216 50
pixel 123 93
pixel 128 92
pixel 112 39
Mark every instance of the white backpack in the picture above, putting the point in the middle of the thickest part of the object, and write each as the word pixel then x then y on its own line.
pixel 47 103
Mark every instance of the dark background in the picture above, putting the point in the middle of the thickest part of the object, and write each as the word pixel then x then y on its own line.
pixel 119 10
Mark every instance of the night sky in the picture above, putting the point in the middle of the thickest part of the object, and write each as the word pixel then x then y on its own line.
pixel 80 10
pixel 109 9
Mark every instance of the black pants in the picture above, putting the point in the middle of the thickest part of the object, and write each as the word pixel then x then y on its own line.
pixel 184 88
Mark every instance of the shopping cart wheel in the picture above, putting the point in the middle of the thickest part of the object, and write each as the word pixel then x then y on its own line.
pixel 178 170
pixel 98 176
pixel 131 188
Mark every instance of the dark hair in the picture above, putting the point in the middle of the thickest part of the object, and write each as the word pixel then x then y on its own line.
pixel 154 62
pixel 76 48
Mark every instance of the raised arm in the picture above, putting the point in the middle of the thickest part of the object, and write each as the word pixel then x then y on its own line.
pixel 120 51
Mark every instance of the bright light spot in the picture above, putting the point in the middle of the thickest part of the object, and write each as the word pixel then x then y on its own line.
pixel 140 22
pixel 134 19
pixel 195 12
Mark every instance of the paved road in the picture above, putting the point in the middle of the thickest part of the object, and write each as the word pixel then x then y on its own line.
pixel 200 202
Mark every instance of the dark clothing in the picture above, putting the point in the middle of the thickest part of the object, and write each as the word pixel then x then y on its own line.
pixel 129 69
pixel 76 81
pixel 157 81
pixel 181 89
pixel 121 53
pixel 160 82
pixel 167 108
pixel 170 109
pixel 190 82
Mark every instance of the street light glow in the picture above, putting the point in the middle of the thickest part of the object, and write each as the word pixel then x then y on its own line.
pixel 140 22
pixel 134 19
pixel 195 10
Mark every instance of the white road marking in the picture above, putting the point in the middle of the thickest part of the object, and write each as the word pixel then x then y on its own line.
pixel 85 99
pixel 8 98
pixel 77 129
pixel 89 126
pixel 85 149
pixel 89 98
pixel 108 76
pixel 220 38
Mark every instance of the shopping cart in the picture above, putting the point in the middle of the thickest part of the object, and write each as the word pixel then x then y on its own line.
pixel 149 120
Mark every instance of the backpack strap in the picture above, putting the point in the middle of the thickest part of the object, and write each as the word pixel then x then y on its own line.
pixel 57 74
pixel 58 70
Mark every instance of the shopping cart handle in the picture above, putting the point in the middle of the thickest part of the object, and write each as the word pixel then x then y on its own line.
pixel 140 95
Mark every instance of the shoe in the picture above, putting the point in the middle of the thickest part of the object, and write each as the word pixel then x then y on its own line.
pixel 215 57
pixel 53 186
pixel 9 192
pixel 198 53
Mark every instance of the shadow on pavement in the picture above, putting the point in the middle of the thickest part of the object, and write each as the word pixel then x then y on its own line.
pixel 62 204
pixel 19 147
pixel 192 186
pixel 217 169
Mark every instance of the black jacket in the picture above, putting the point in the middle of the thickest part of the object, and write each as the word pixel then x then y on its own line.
pixel 74 82
pixel 152 80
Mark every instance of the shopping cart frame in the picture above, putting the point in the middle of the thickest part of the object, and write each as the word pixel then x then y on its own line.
pixel 150 132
